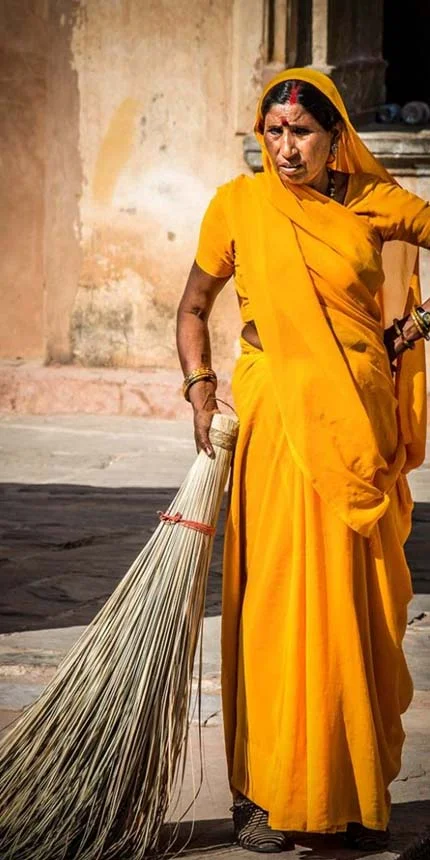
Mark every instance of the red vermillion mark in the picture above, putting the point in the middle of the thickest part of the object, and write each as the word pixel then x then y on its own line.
pixel 294 94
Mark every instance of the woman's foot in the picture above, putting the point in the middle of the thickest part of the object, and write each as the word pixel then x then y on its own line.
pixel 252 831
pixel 365 839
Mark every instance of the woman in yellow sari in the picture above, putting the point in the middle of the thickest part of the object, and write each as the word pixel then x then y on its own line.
pixel 331 418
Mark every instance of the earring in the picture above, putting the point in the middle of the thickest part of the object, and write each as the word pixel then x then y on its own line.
pixel 333 149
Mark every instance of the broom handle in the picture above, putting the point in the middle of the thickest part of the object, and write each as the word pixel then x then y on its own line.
pixel 224 429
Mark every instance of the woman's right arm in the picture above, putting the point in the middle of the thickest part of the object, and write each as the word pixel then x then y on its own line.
pixel 192 337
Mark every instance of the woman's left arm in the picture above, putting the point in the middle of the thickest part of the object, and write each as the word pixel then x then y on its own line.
pixel 404 216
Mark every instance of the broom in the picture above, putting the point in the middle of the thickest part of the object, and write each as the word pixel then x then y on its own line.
pixel 89 770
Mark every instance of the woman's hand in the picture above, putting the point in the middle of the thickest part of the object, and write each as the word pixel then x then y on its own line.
pixel 396 343
pixel 202 398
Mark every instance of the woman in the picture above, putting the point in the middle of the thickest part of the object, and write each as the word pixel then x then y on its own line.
pixel 315 579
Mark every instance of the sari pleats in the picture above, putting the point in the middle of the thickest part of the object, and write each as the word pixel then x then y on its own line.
pixel 314 677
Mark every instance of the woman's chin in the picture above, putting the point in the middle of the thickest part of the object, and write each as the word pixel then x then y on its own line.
pixel 298 178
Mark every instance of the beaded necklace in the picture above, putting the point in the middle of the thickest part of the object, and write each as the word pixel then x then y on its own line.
pixel 331 187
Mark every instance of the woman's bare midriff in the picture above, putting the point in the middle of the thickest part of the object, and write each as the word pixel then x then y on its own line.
pixel 250 334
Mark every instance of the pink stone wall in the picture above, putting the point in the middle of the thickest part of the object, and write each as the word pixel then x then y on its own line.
pixel 120 121
pixel 41 179
pixel 22 121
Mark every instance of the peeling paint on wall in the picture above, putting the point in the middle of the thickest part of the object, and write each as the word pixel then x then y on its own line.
pixel 121 322
pixel 115 150
pixel 155 139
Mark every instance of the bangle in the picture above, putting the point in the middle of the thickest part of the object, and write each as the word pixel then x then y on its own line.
pixel 409 344
pixel 421 319
pixel 195 376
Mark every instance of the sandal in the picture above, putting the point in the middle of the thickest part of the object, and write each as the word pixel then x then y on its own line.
pixel 252 831
pixel 365 839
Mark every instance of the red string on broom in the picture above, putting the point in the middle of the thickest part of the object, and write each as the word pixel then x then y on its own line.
pixel 205 528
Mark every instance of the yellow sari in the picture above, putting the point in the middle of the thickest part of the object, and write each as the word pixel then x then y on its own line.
pixel 315 579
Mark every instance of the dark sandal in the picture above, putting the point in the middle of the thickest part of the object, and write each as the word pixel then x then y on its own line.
pixel 252 831
pixel 365 839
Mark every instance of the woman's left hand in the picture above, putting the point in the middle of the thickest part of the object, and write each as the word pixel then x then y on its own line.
pixel 203 401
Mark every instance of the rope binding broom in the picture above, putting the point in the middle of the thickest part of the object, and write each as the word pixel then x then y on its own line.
pixel 89 770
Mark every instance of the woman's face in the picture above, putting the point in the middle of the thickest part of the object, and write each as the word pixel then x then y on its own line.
pixel 298 146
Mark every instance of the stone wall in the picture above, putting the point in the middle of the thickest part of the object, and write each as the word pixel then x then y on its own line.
pixel 121 120
pixel 156 138
pixel 23 84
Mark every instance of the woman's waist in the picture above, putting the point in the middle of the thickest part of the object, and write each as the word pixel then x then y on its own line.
pixel 362 347
pixel 351 333
pixel 250 337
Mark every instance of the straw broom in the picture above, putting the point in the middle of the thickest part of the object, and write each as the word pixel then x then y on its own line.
pixel 89 769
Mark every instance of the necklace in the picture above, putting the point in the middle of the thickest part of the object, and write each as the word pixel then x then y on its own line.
pixel 331 187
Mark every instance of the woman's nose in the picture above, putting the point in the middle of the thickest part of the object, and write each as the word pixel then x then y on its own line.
pixel 288 144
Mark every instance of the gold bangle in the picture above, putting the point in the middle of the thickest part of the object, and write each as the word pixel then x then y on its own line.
pixel 420 323
pixel 196 375
pixel 199 379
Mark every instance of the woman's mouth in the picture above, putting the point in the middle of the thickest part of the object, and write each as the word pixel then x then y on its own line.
pixel 290 169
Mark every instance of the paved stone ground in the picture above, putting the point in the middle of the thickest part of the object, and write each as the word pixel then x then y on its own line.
pixel 78 500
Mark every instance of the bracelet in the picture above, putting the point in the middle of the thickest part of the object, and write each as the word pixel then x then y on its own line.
pixel 421 319
pixel 409 344
pixel 195 376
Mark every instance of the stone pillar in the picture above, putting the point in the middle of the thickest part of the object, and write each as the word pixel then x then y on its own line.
pixel 247 61
pixel 24 46
pixel 63 186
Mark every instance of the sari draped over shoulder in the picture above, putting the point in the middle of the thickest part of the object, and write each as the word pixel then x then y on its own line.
pixel 315 580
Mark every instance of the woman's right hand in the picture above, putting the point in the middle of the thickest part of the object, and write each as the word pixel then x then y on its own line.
pixel 203 401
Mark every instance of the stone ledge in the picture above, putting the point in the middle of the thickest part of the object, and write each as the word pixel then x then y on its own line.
pixel 36 389
pixel 31 388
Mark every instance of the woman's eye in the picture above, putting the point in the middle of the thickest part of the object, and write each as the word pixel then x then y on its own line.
pixel 301 132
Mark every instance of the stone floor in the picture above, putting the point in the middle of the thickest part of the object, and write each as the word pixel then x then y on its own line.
pixel 78 499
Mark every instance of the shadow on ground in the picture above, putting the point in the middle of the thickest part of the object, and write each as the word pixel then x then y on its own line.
pixel 64 548
pixel 214 836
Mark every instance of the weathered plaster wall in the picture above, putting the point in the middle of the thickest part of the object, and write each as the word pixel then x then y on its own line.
pixel 63 184
pixel 119 121
pixel 23 29
pixel 41 179
pixel 156 138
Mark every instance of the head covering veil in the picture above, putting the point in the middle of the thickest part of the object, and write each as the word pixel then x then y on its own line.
pixel 329 432
pixel 353 156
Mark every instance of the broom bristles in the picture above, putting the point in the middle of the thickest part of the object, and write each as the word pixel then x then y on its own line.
pixel 90 768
